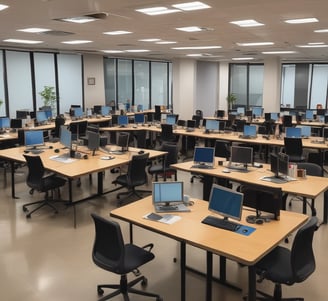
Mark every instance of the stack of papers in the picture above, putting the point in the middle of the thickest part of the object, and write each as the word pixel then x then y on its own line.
pixel 164 218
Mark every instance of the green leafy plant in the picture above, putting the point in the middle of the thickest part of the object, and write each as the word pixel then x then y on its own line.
pixel 48 95
pixel 231 99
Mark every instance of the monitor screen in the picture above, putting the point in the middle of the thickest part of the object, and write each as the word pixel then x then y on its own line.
pixel 305 130
pixel 226 202
pixel 321 112
pixel 250 130
pixel 191 123
pixel 78 112
pixel 309 114
pixel 257 111
pixel 292 132
pixel 16 123
pixel 167 192
pixel 97 109
pixel 241 154
pixel 33 138
pixel 212 125
pixel 279 164
pixel 21 114
pixel 4 122
pixel 123 140
pixel 274 116
pixel 139 118
pixel 171 119
pixel 93 141
pixel 123 120
pixel 241 111
pixel 105 110
pixel 222 125
pixel 65 137
pixel 204 155
pixel 220 113
pixel 41 116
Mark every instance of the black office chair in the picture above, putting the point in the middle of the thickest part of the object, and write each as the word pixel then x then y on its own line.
pixel 294 149
pixel 167 133
pixel 38 180
pixel 284 266
pixel 112 254
pixel 199 113
pixel 163 168
pixel 287 121
pixel 222 149
pixel 135 176
pixel 59 121
pixel 158 113
pixel 239 125
pixel 197 118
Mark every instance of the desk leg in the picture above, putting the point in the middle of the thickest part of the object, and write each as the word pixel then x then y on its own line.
pixel 223 269
pixel 325 207
pixel 100 183
pixel 207 186
pixel 209 275
pixel 12 167
pixel 251 283
pixel 183 270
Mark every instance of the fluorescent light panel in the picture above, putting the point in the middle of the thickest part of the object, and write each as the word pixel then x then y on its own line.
pixel 279 52
pixel 3 6
pixel 302 21
pixel 20 41
pixel 247 23
pixel 160 10
pixel 189 29
pixel 113 51
pixel 321 30
pixel 165 42
pixel 117 32
pixel 33 30
pixel 242 58
pixel 79 20
pixel 149 40
pixel 137 50
pixel 196 5
pixel 312 46
pixel 196 47
pixel 256 44
pixel 76 42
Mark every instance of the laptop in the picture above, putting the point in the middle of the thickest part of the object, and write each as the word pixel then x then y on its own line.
pixel 168 197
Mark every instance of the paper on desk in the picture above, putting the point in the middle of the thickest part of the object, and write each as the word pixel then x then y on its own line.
pixel 62 159
pixel 165 218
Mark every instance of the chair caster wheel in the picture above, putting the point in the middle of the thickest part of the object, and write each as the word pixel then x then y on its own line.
pixel 100 291
pixel 144 282
pixel 28 215
pixel 191 181
pixel 31 191
pixel 25 209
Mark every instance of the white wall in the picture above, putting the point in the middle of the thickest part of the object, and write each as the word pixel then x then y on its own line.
pixel 94 68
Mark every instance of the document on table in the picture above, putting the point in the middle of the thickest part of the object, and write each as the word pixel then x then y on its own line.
pixel 62 159
pixel 165 218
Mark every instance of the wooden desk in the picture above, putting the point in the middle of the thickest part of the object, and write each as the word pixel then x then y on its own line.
pixel 310 187
pixel 246 250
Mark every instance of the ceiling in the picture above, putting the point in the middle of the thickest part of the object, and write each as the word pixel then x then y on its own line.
pixel 121 15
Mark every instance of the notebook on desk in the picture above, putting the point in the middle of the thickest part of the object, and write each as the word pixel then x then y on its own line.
pixel 168 197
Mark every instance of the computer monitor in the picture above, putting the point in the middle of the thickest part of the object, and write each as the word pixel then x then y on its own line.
pixel 220 113
pixel 226 202
pixel 139 118
pixel 33 139
pixel 4 122
pixel 274 116
pixel 204 155
pixel 292 132
pixel 240 111
pixel 41 117
pixel 257 111
pixel 305 131
pixel 321 112
pixel 123 141
pixel 123 120
pixel 16 123
pixel 105 110
pixel 167 193
pixel 250 130
pixel 212 125
pixel 191 123
pixel 241 157
pixel 77 112
pixel 97 109
pixel 22 114
pixel 65 137
pixel 171 119
pixel 93 141
pixel 222 125
pixel 309 115
pixel 48 111
pixel 279 164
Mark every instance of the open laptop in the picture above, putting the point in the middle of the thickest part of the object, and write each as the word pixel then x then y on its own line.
pixel 168 197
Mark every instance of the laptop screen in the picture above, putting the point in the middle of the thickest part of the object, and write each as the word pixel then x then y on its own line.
pixel 167 193
pixel 250 130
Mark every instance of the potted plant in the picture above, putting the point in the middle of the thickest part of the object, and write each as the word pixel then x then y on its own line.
pixel 231 99
pixel 48 95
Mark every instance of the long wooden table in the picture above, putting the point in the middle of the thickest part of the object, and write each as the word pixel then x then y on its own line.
pixel 247 250
pixel 310 187
pixel 76 168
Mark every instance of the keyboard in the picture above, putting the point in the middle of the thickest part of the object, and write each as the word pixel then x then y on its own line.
pixel 247 137
pixel 36 151
pixel 189 130
pixel 221 223
pixel 202 166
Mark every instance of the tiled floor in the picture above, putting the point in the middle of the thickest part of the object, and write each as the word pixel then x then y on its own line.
pixel 45 258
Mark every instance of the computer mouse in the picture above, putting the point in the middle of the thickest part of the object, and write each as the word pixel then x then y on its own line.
pixel 51 147
pixel 85 156
pixel 56 150
pixel 226 170
pixel 141 152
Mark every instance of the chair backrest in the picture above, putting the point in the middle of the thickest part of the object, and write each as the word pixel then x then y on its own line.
pixel 78 128
pixel 302 256
pixel 141 137
pixel 108 247
pixel 199 113
pixel 167 132
pixel 197 118
pixel 137 170
pixel 222 149
pixel 158 114
pixel 312 169
pixel 59 121
pixel 287 121
pixel 240 123
pixel 35 172
pixel 293 146
pixel 172 153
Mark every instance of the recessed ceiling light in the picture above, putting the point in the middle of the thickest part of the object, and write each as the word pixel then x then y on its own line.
pixel 247 23
pixel 242 58
pixel 34 30
pixel 79 20
pixel 165 42
pixel 279 52
pixel 117 32
pixel 113 51
pixel 191 6
pixel 302 21
pixel 189 28
pixel 312 46
pixel 316 43
pixel 22 41
pixel 321 30
pixel 75 42
pixel 195 55
pixel 160 10
pixel 196 47
pixel 255 44
pixel 149 40
pixel 137 50
pixel 3 6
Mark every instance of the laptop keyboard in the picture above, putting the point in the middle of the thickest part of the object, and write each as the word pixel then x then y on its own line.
pixel 220 223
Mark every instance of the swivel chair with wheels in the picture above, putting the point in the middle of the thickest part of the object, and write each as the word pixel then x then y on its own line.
pixel 294 149
pixel 38 180
pixel 135 176
pixel 111 254
pixel 284 266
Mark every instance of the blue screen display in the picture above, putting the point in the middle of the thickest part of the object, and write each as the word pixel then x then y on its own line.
pixel 212 125
pixel 292 132
pixel 305 130
pixel 250 130
pixel 309 114
pixel 257 111
pixel 33 138
pixel 171 119
pixel 41 116
pixel 123 120
pixel 105 110
pixel 167 192
pixel 204 154
pixel 78 112
pixel 65 137
pixel 139 118
pixel 274 116
pixel 241 110
pixel 4 122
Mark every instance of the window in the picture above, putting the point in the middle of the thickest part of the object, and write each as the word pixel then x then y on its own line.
pixel 141 83
pixel 124 81
pixel 2 87
pixel 159 84
pixel 110 80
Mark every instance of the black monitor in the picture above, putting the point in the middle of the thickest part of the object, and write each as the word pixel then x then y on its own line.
pixel 139 118
pixel 321 112
pixel 22 114
pixel 16 123
pixel 123 141
pixel 219 113
pixel 250 130
pixel 212 125
pixel 33 139
pixel 279 164
pixel 226 202
pixel 240 111
pixel 204 155
pixel 97 109
pixel 222 125
pixel 93 141
pixel 46 109
pixel 123 120
pixel 309 115
pixel 191 123
pixel 4 122
pixel 274 116
pixel 65 137
pixel 241 157
pixel 105 110
pixel 41 117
